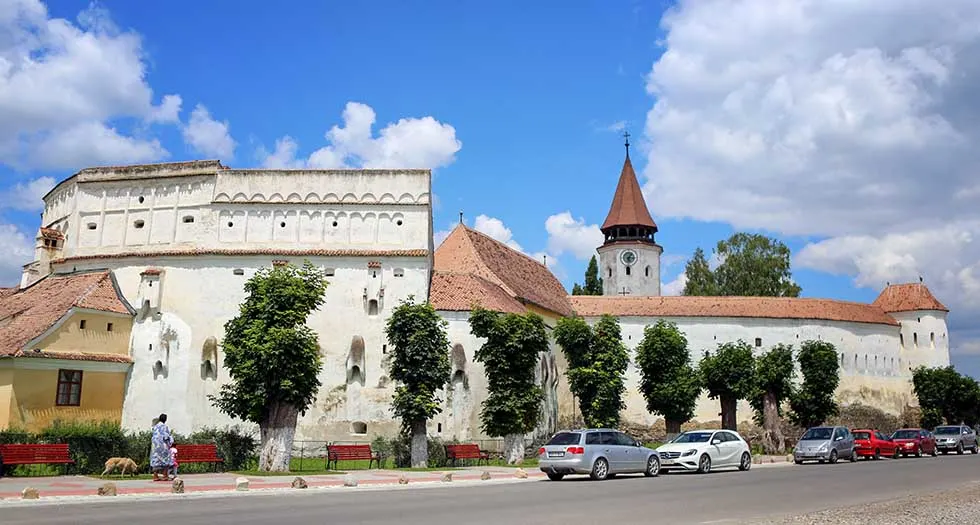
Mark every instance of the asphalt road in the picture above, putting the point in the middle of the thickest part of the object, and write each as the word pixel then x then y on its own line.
pixel 672 498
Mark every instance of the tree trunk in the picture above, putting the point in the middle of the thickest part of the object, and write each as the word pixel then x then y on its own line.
pixel 420 445
pixel 673 428
pixel 514 449
pixel 772 437
pixel 277 432
pixel 728 417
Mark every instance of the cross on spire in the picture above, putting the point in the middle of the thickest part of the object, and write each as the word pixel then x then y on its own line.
pixel 626 135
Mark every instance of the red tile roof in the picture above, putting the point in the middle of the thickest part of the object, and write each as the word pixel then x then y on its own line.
pixel 628 207
pixel 51 233
pixel 467 251
pixel 28 313
pixel 462 291
pixel 757 307
pixel 907 298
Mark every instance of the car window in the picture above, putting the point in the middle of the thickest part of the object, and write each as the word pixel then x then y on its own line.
pixel 565 438
pixel 862 435
pixel 607 438
pixel 880 436
pixel 838 433
pixel 821 433
pixel 730 437
pixel 624 440
pixel 592 438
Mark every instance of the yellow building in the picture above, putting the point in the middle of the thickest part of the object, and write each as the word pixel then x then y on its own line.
pixel 64 351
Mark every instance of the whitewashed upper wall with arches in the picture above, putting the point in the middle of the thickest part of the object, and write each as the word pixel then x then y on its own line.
pixel 242 210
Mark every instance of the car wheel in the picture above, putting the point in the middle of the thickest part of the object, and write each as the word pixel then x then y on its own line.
pixel 704 464
pixel 935 451
pixel 600 470
pixel 877 455
pixel 833 457
pixel 975 449
pixel 896 454
pixel 945 452
pixel 653 467
pixel 746 462
pixel 854 455
pixel 918 451
pixel 554 476
pixel 959 447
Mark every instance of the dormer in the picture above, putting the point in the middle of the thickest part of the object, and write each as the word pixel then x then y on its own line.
pixel 150 292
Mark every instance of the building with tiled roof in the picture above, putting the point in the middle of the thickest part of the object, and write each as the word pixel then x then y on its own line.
pixel 64 350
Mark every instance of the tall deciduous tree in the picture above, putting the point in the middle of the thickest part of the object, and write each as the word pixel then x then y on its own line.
pixel 597 362
pixel 593 283
pixel 751 265
pixel 813 402
pixel 420 365
pixel 509 356
pixel 774 373
pixel 946 396
pixel 273 358
pixel 729 375
pixel 667 381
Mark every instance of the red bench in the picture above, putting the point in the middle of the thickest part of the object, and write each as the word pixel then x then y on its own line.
pixel 337 453
pixel 466 451
pixel 35 454
pixel 198 454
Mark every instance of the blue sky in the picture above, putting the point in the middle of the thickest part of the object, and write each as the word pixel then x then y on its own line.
pixel 537 96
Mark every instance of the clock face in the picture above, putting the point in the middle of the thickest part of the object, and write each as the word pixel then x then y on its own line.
pixel 628 257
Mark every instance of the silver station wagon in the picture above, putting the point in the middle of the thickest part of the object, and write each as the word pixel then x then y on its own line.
pixel 601 453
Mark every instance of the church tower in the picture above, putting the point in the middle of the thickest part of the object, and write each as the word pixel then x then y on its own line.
pixel 629 259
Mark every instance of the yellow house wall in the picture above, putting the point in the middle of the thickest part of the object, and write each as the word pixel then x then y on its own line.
pixel 95 338
pixel 34 391
pixel 6 391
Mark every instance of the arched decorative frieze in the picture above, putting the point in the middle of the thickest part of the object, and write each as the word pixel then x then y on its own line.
pixel 387 198
pixel 257 197
pixel 368 198
pixel 222 197
pixel 312 198
pixel 240 197
pixel 294 197
pixel 276 197
pixel 331 198
pixel 406 198
pixel 349 198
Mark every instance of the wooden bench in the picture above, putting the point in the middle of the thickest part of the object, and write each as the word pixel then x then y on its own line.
pixel 199 454
pixel 466 451
pixel 35 454
pixel 337 453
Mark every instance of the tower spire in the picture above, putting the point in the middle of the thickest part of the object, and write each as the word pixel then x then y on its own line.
pixel 626 135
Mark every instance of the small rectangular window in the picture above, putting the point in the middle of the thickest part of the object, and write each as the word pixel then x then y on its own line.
pixel 108 327
pixel 399 272
pixel 81 324
pixel 69 388
pixel 238 271
pixel 758 341
pixel 138 224
pixel 329 272
pixel 188 219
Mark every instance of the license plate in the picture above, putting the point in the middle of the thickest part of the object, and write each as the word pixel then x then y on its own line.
pixel 556 454
pixel 666 462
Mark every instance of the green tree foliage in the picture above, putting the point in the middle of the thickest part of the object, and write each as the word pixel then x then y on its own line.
pixel 729 375
pixel 751 265
pixel 597 362
pixel 946 396
pixel 510 356
pixel 420 365
pixel 593 283
pixel 273 358
pixel 774 373
pixel 813 402
pixel 668 382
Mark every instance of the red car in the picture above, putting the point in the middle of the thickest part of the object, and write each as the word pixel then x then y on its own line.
pixel 870 443
pixel 915 441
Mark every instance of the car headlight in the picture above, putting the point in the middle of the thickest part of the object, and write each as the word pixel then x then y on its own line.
pixel 690 452
pixel 823 448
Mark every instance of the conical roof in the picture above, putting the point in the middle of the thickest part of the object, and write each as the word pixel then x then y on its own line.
pixel 628 207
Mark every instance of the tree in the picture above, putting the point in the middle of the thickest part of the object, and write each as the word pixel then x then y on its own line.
pixel 593 283
pixel 774 373
pixel 667 381
pixel 420 365
pixel 751 265
pixel 273 358
pixel 597 361
pixel 509 357
pixel 729 375
pixel 700 279
pixel 946 396
pixel 813 402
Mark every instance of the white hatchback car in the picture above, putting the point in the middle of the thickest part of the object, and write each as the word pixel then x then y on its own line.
pixel 703 450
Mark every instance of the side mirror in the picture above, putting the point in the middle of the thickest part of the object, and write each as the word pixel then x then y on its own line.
pixel 637 444
pixel 715 441
pixel 838 438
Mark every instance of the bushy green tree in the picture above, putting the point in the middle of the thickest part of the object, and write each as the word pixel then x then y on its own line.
pixel 729 375
pixel 597 362
pixel 750 265
pixel 420 365
pixel 813 402
pixel 510 356
pixel 668 382
pixel 593 283
pixel 774 373
pixel 946 396
pixel 700 278
pixel 273 358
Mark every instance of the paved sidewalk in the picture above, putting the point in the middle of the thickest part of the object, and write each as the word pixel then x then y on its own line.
pixel 11 487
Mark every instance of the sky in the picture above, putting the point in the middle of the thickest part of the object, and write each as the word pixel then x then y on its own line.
pixel 845 128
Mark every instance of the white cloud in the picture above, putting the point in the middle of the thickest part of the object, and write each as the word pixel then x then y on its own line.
pixel 26 196
pixel 209 136
pixel 821 119
pixel 494 228
pixel 675 286
pixel 15 249
pixel 284 155
pixel 567 234
pixel 440 236
pixel 408 143
pixel 60 80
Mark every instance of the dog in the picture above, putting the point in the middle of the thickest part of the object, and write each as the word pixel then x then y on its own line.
pixel 123 465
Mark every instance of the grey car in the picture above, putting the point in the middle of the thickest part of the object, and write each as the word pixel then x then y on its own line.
pixel 956 437
pixel 601 453
pixel 825 444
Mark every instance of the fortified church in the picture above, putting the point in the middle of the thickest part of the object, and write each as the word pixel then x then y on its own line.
pixel 138 268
